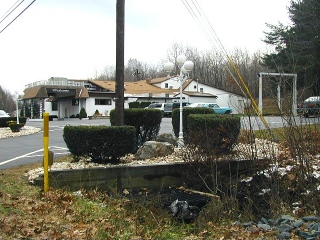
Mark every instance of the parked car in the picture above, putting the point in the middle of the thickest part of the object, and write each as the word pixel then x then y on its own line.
pixel 3 114
pixel 168 108
pixel 159 106
pixel 217 109
pixel 310 106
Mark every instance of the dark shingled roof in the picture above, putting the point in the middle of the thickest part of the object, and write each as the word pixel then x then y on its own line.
pixel 41 92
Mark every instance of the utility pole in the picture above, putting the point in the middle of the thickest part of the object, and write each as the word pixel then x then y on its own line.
pixel 119 100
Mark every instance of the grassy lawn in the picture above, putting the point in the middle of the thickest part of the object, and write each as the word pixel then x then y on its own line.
pixel 26 212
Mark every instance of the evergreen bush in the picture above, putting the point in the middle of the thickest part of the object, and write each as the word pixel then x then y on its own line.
pixel 100 143
pixel 14 126
pixel 146 122
pixel 3 121
pixel 185 113
pixel 212 134
pixel 83 113
pixel 139 104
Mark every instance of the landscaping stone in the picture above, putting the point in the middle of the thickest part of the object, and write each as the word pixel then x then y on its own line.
pixel 153 149
pixel 167 137
pixel 284 235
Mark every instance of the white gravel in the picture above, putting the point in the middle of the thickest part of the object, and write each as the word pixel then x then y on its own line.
pixel 26 130
pixel 261 149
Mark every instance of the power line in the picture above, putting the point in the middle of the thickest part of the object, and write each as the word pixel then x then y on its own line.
pixel 17 16
pixel 4 17
pixel 197 14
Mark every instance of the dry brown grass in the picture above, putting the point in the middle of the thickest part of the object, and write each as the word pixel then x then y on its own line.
pixel 26 212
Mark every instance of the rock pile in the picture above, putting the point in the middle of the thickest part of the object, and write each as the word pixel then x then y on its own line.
pixel 307 227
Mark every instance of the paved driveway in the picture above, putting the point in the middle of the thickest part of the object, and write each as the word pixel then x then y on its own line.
pixel 29 149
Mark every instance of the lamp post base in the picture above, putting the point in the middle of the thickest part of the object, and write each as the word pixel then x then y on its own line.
pixel 180 141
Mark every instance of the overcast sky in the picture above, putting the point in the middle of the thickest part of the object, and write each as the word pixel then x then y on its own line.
pixel 76 38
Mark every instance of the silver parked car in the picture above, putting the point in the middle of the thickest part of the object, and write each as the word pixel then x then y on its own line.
pixel 159 106
pixel 3 114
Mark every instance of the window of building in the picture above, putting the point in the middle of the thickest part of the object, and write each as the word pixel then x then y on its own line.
pixel 195 87
pixel 54 106
pixel 166 85
pixel 75 102
pixel 201 90
pixel 102 101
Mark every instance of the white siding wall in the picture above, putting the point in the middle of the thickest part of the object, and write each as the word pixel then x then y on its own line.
pixel 233 101
pixel 103 109
pixel 225 99
pixel 174 82
pixel 193 99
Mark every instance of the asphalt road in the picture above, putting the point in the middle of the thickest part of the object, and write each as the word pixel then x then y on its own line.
pixel 29 149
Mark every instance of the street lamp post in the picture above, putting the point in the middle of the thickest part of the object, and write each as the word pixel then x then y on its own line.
pixel 185 67
pixel 17 108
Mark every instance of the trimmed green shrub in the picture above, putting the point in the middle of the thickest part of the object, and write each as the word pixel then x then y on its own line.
pixel 83 113
pixel 185 113
pixel 100 143
pixel 212 134
pixel 14 126
pixel 3 121
pixel 144 104
pixel 139 104
pixel 9 122
pixel 134 104
pixel 146 122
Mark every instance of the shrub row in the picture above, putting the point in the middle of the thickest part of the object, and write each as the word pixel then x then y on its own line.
pixel 3 121
pixel 14 126
pixel 213 134
pixel 139 104
pixel 146 122
pixel 185 114
pixel 209 133
pixel 100 143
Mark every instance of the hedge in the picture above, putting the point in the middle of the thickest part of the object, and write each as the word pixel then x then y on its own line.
pixel 100 143
pixel 146 122
pixel 185 113
pixel 213 134
pixel 3 121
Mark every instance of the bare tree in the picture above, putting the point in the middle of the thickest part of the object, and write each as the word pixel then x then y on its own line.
pixel 211 67
pixel 7 102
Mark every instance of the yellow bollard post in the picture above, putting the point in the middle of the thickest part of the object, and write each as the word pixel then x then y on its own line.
pixel 45 151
